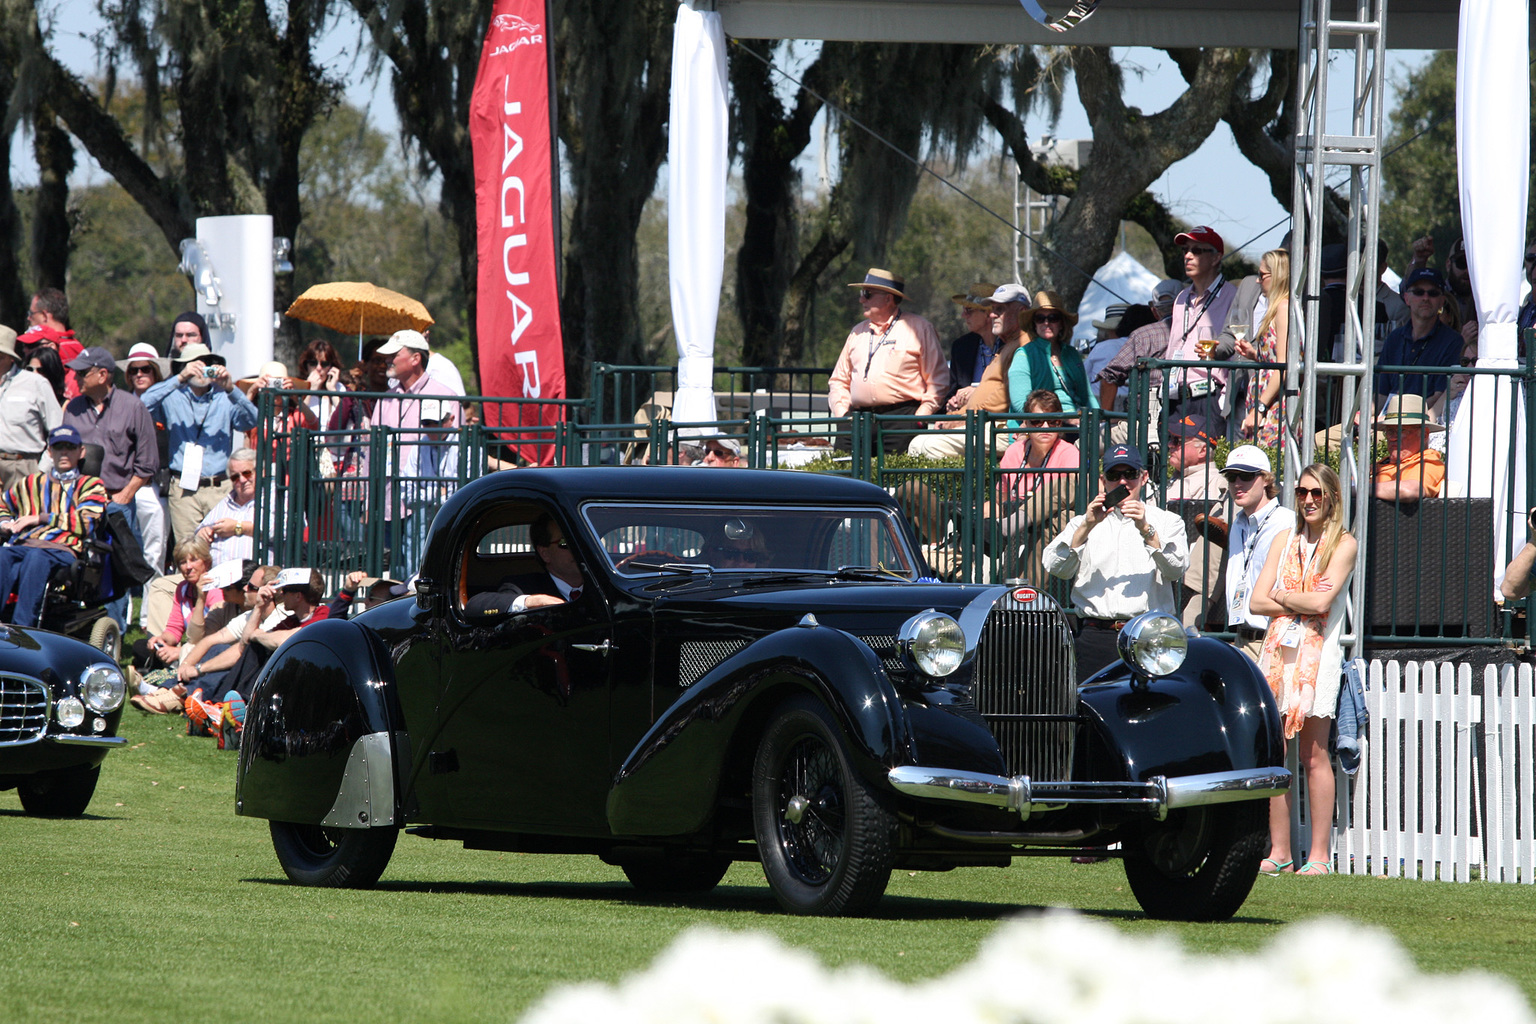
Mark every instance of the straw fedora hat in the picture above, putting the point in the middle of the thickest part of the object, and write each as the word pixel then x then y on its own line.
pixel 977 296
pixel 1050 300
pixel 1406 411
pixel 882 281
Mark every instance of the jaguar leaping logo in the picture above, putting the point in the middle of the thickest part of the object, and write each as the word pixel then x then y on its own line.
pixel 514 23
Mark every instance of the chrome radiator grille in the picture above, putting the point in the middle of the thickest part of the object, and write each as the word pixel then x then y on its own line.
pixel 23 710
pixel 1024 670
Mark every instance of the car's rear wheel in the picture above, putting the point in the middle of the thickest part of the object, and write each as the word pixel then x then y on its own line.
pixel 61 793
pixel 107 638
pixel 339 858
pixel 1200 863
pixel 823 833
pixel 676 872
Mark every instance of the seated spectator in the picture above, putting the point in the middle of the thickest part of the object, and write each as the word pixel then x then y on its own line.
pixel 46 517
pixel 1200 488
pixel 1410 472
pixel 972 352
pixel 1518 574
pixel 210 658
pixel 1456 390
pixel 374 590
pixel 722 453
pixel 185 625
pixel 1425 341
pixel 1036 484
pixel 229 527
pixel 1189 472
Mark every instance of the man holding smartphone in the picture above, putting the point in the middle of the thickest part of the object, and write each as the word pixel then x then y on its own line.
pixel 1124 556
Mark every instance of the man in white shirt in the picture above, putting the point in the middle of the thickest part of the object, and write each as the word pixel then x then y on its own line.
pixel 1259 520
pixel 1123 558
pixel 229 528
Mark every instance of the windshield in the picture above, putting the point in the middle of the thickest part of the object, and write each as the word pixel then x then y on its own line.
pixel 643 540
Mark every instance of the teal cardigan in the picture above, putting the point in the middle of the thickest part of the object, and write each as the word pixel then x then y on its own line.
pixel 1031 369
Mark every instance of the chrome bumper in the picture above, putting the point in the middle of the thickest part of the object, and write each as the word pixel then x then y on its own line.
pixel 71 740
pixel 1158 795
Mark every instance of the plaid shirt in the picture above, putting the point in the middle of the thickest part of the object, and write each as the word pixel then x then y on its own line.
pixel 69 508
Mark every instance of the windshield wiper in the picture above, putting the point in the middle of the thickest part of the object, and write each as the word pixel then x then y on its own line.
pixel 681 568
pixel 868 572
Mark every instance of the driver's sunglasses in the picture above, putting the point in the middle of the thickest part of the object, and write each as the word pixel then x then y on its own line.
pixel 1121 475
pixel 562 544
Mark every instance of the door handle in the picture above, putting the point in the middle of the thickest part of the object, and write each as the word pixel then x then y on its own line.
pixel 603 647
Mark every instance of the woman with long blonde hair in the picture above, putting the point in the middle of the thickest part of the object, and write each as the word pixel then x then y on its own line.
pixel 1301 589
pixel 1264 422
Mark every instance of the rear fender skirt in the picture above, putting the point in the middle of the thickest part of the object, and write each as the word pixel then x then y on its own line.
pixel 323 742
pixel 669 784
pixel 1217 717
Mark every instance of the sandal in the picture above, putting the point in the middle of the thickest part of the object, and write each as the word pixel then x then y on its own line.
pixel 1315 867
pixel 1270 866
pixel 161 702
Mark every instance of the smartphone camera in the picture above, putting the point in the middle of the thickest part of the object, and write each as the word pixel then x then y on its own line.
pixel 1116 496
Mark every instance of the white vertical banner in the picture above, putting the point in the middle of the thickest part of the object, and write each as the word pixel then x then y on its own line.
pixel 1493 158
pixel 696 166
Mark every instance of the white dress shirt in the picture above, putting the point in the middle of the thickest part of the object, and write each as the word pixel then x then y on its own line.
pixel 1116 574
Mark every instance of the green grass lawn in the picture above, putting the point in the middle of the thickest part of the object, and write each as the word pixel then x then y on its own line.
pixel 162 904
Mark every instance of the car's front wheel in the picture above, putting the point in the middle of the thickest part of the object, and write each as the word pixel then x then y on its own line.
pixel 61 793
pixel 339 858
pixel 824 834
pixel 1200 863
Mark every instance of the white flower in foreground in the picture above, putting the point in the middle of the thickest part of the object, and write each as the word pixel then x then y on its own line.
pixel 1056 968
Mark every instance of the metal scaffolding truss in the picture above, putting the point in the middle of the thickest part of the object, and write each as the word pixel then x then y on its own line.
pixel 1322 147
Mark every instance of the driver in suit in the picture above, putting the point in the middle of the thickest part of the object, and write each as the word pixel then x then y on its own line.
pixel 559 582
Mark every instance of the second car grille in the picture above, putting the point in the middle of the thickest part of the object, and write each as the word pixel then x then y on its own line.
pixel 1025 689
pixel 23 710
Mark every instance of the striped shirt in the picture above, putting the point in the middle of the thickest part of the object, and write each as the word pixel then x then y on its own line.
pixel 70 508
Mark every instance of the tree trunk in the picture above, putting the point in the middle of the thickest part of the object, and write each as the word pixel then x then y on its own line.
pixel 50 209
pixel 13 296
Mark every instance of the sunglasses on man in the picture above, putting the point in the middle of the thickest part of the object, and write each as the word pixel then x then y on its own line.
pixel 1121 475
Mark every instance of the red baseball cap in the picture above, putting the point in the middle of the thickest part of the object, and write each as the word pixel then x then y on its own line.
pixel 1201 235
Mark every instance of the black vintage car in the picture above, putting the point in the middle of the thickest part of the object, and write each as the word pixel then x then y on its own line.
pixel 60 701
pixel 815 704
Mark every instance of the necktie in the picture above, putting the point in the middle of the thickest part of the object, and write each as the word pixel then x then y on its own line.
pixel 575 594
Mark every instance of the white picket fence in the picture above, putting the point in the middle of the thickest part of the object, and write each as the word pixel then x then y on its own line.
pixel 1447 781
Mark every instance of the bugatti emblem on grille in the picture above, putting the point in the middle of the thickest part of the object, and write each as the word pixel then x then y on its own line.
pixel 1024 595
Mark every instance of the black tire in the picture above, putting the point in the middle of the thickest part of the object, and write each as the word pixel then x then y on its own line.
pixel 836 858
pixel 1200 863
pixel 337 858
pixel 61 793
pixel 107 638
pixel 677 872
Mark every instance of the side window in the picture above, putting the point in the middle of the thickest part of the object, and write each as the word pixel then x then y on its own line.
pixel 497 548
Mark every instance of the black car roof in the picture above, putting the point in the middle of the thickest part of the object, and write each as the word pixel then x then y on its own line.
pixel 573 485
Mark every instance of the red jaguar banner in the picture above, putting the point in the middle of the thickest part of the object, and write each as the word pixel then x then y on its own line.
pixel 518 324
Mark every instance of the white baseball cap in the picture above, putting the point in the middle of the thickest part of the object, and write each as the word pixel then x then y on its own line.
pixel 404 339
pixel 1247 458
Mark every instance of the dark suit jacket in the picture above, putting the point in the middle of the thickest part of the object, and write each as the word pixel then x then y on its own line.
pixel 962 361
pixel 498 601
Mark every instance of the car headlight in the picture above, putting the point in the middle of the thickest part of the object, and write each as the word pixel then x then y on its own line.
pixel 103 688
pixel 69 711
pixel 1153 643
pixel 933 643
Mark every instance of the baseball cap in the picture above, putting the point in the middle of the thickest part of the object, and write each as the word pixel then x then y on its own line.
pixel 1122 455
pixel 730 444
pixel 404 339
pixel 433 410
pixel 222 576
pixel 1010 293
pixel 91 358
pixel 1247 458
pixel 1429 274
pixel 1193 425
pixel 65 434
pixel 1333 261
pixel 1201 235
pixel 1166 291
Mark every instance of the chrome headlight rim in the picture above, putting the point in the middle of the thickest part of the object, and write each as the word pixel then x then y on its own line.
pixel 1153 644
pixel 933 643
pixel 69 712
pixel 102 687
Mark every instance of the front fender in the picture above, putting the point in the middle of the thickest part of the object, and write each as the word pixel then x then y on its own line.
pixel 323 739
pixel 1214 714
pixel 670 783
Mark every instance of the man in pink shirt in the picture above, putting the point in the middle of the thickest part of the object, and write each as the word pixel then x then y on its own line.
pixel 411 504
pixel 891 363
pixel 1199 314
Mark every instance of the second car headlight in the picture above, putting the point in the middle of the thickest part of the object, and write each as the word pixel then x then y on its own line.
pixel 1154 643
pixel 933 643
pixel 102 688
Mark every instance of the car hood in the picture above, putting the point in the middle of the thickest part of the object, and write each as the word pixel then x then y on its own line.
pixel 44 655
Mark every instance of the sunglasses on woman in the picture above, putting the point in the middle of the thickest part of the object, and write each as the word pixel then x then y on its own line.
pixel 1315 493
pixel 1048 318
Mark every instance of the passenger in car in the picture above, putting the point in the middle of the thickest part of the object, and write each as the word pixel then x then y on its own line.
pixel 736 544
pixel 560 582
